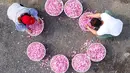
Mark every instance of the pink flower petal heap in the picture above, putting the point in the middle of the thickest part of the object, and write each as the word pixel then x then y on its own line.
pixel 59 63
pixel 54 7
pixel 73 8
pixel 36 51
pixel 96 52
pixel 36 28
pixel 84 20
pixel 81 63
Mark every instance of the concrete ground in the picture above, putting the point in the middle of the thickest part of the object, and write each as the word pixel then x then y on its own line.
pixel 62 35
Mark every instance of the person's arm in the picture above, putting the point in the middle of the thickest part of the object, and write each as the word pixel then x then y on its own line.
pixel 97 15
pixel 29 30
pixel 22 27
pixel 34 13
pixel 92 30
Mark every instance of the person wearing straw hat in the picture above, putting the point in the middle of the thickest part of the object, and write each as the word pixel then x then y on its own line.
pixel 105 25
pixel 22 16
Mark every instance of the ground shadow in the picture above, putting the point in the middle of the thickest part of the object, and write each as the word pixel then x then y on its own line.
pixel 70 69
pixel 125 1
pixel 105 64
pixel 49 49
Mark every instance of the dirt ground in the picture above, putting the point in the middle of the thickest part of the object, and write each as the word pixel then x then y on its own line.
pixel 62 35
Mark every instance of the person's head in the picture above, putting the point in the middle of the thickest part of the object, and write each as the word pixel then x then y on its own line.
pixel 96 22
pixel 27 19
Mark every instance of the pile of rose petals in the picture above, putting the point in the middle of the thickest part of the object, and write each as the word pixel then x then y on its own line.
pixel 36 51
pixel 96 52
pixel 59 63
pixel 73 8
pixel 36 28
pixel 84 20
pixel 54 7
pixel 81 63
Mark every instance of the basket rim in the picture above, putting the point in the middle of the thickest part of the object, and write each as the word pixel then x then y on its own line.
pixel 44 49
pixel 103 48
pixel 59 55
pixel 59 12
pixel 88 60
pixel 80 6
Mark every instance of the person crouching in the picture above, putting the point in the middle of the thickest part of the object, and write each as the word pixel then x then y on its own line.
pixel 22 16
pixel 105 25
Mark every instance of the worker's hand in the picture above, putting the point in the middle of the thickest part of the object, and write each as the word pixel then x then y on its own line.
pixel 90 15
pixel 86 26
pixel 39 21
pixel 29 30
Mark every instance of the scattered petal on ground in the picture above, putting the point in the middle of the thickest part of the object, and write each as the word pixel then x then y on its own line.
pixel 73 53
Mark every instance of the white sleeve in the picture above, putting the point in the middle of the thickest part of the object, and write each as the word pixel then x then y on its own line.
pixel 105 16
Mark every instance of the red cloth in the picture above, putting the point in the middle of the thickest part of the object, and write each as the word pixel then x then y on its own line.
pixel 28 20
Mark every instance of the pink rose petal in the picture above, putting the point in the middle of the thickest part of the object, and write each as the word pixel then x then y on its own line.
pixel 84 20
pixel 36 28
pixel 96 52
pixel 73 8
pixel 59 64
pixel 81 63
pixel 54 7
pixel 36 51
